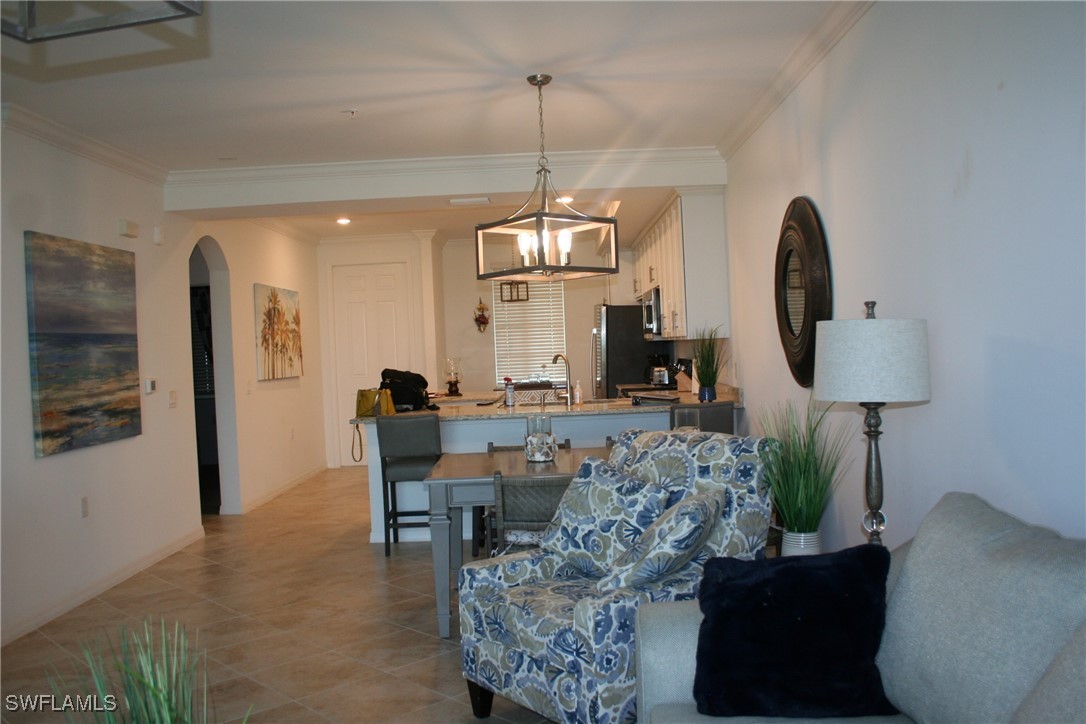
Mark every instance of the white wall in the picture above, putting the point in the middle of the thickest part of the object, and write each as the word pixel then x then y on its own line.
pixel 279 423
pixel 943 146
pixel 143 492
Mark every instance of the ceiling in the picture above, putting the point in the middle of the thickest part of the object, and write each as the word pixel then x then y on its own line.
pixel 274 84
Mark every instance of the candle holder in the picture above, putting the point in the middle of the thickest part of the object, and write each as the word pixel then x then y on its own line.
pixel 453 373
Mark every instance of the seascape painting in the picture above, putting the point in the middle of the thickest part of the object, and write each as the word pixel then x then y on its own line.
pixel 84 356
pixel 279 333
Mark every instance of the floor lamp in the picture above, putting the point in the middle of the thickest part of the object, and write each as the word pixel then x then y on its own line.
pixel 872 362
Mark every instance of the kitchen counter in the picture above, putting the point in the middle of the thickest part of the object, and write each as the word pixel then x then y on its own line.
pixel 466 408
pixel 467 427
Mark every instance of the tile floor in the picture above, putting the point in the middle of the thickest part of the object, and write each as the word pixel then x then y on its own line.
pixel 303 619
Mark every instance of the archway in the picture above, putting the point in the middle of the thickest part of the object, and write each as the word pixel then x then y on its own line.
pixel 203 382
pixel 226 435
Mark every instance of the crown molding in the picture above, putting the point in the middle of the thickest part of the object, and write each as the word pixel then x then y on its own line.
pixel 287 230
pixel 264 186
pixel 20 120
pixel 445 165
pixel 836 23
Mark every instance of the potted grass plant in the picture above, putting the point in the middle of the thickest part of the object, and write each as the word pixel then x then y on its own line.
pixel 151 676
pixel 708 361
pixel 802 468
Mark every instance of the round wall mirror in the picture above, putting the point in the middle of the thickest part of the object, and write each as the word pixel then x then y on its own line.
pixel 801 286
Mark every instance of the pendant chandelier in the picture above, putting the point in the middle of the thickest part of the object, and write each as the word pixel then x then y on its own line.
pixel 552 243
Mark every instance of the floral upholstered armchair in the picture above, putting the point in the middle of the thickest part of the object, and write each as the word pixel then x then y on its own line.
pixel 552 628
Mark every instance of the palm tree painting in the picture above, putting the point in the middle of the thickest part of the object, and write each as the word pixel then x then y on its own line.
pixel 278 333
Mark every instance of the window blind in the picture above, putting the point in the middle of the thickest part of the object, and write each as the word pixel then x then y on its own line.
pixel 528 334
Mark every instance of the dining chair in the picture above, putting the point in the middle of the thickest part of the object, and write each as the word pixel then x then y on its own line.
pixel 483 520
pixel 523 508
pixel 410 447
pixel 712 416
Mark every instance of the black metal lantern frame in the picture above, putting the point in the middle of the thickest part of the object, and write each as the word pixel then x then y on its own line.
pixel 556 244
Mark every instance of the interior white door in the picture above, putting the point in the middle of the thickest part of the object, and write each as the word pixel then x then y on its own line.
pixel 372 331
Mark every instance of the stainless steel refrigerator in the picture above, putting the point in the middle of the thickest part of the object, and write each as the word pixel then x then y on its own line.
pixel 620 353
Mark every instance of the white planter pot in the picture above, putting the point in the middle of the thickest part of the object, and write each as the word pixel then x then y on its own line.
pixel 801 544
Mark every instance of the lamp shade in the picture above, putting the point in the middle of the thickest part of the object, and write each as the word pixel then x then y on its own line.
pixel 872 360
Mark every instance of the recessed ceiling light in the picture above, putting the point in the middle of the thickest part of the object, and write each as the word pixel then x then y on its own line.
pixel 565 199
pixel 343 221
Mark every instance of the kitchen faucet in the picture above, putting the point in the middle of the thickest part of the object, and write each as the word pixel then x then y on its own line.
pixel 569 392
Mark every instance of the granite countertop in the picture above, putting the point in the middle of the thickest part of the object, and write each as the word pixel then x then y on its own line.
pixel 466 407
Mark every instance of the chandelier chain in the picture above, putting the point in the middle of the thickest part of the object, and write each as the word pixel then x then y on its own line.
pixel 542 154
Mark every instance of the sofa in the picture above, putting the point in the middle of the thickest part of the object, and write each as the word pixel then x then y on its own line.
pixel 551 628
pixel 985 621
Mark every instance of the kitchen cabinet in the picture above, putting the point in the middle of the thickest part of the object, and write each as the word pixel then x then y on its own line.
pixel 684 253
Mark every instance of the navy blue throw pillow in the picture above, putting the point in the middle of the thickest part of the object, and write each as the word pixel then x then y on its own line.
pixel 794 636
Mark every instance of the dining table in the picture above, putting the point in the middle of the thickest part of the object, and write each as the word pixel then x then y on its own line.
pixel 461 481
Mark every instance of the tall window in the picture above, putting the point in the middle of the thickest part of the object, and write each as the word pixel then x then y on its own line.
pixel 528 334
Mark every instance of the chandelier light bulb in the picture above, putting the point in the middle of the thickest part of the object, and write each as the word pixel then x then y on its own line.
pixel 526 243
pixel 565 243
pixel 565 240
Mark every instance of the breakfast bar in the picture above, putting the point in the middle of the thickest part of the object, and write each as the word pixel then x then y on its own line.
pixel 467 426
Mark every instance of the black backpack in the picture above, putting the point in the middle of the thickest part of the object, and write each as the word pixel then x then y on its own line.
pixel 408 389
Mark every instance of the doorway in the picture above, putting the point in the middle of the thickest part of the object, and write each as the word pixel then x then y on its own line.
pixel 372 330
pixel 217 441
pixel 203 383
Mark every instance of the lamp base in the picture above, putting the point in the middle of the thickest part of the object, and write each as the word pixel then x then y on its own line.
pixel 874 520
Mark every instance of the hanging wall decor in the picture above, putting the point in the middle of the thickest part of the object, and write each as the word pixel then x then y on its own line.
pixel 278 333
pixel 84 354
pixel 481 317
pixel 514 291
pixel 802 288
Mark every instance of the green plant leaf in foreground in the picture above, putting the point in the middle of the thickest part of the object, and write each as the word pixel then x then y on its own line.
pixel 150 677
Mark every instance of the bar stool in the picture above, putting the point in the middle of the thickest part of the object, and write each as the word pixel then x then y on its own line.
pixel 410 447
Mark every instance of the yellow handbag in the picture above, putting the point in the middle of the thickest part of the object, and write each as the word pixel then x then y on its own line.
pixel 373 402
pixel 367 404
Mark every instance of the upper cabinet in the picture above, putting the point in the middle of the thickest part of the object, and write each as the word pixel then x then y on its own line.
pixel 684 253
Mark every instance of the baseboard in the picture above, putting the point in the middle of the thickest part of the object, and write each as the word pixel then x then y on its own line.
pixel 14 630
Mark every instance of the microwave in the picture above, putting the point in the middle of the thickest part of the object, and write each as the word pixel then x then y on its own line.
pixel 650 312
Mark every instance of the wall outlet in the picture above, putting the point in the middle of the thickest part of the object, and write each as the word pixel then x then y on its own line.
pixel 85 502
